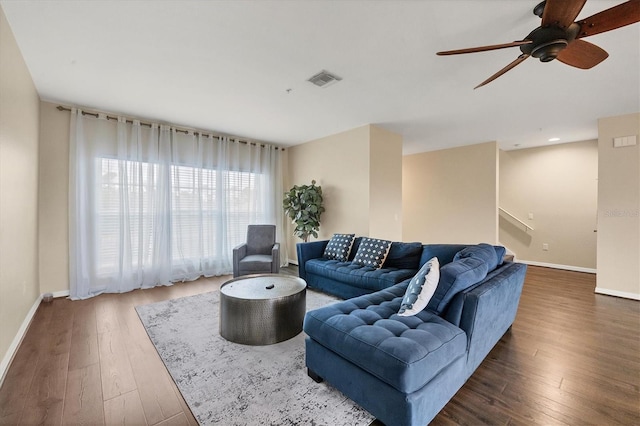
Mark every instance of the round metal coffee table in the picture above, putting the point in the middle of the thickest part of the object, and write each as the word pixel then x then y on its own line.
pixel 262 309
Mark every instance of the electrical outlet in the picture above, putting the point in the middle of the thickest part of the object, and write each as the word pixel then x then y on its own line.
pixel 545 246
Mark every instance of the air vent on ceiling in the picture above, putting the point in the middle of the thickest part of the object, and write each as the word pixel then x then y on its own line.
pixel 324 79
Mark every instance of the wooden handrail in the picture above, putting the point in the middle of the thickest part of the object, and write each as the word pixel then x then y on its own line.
pixel 526 227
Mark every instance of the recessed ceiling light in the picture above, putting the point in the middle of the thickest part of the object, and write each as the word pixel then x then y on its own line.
pixel 554 139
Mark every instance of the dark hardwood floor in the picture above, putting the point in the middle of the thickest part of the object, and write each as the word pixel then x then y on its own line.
pixel 572 357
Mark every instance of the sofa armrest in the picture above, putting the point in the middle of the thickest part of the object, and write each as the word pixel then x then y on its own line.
pixel 489 310
pixel 275 258
pixel 308 251
pixel 239 252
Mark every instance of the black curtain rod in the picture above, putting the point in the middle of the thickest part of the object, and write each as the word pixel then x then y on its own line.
pixel 109 117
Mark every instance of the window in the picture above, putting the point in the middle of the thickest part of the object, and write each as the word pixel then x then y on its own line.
pixel 150 205
pixel 207 212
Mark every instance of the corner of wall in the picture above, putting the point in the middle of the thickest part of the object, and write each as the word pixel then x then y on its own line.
pixel 618 238
pixel 19 142
pixel 53 196
pixel 449 195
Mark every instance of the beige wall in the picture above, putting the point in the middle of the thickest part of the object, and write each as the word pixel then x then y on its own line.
pixel 53 199
pixel 558 186
pixel 450 196
pixel 618 208
pixel 385 184
pixel 349 166
pixel 19 103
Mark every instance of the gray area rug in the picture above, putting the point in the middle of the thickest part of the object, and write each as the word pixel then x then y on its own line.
pixel 231 384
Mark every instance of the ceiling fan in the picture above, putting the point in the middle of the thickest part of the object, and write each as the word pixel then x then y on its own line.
pixel 559 37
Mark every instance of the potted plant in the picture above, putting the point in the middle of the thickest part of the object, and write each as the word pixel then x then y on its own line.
pixel 303 205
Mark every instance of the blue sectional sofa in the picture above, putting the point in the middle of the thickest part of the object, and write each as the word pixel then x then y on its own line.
pixel 404 369
pixel 347 279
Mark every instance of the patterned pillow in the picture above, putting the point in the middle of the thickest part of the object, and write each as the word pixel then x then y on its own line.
pixel 421 288
pixel 372 252
pixel 339 247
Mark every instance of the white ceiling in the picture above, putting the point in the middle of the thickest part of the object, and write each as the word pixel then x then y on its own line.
pixel 227 66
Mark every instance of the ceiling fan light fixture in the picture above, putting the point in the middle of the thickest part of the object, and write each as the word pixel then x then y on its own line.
pixel 546 43
pixel 547 52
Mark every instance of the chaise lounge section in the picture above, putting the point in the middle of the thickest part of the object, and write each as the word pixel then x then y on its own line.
pixel 404 369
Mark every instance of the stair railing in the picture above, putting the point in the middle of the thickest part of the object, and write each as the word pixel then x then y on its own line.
pixel 527 228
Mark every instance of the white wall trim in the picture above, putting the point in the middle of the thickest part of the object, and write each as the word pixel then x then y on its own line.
pixel 616 293
pixel 61 293
pixel 22 331
pixel 15 344
pixel 557 266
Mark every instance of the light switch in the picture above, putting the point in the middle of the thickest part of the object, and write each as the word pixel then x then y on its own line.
pixel 625 141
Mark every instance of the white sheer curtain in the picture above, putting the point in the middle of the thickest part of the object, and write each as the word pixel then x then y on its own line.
pixel 149 205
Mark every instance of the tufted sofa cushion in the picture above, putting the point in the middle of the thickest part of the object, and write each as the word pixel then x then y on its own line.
pixel 358 275
pixel 404 352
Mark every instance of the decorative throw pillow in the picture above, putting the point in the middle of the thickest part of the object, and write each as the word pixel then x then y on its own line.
pixel 455 277
pixel 420 289
pixel 372 252
pixel 339 247
pixel 404 256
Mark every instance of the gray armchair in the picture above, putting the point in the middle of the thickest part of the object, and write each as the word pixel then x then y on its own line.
pixel 260 254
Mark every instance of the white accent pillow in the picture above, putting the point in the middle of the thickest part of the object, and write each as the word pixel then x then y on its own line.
pixel 421 288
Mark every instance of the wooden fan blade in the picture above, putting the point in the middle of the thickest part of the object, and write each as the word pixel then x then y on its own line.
pixel 483 48
pixel 561 13
pixel 582 54
pixel 626 13
pixel 512 65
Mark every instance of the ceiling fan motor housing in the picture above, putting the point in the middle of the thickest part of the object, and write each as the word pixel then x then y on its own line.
pixel 546 43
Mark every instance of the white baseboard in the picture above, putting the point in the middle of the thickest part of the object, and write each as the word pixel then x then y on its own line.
pixel 22 331
pixel 557 266
pixel 62 293
pixel 15 344
pixel 598 290
pixel 616 293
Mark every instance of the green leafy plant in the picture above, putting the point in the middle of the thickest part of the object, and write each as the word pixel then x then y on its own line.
pixel 303 205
